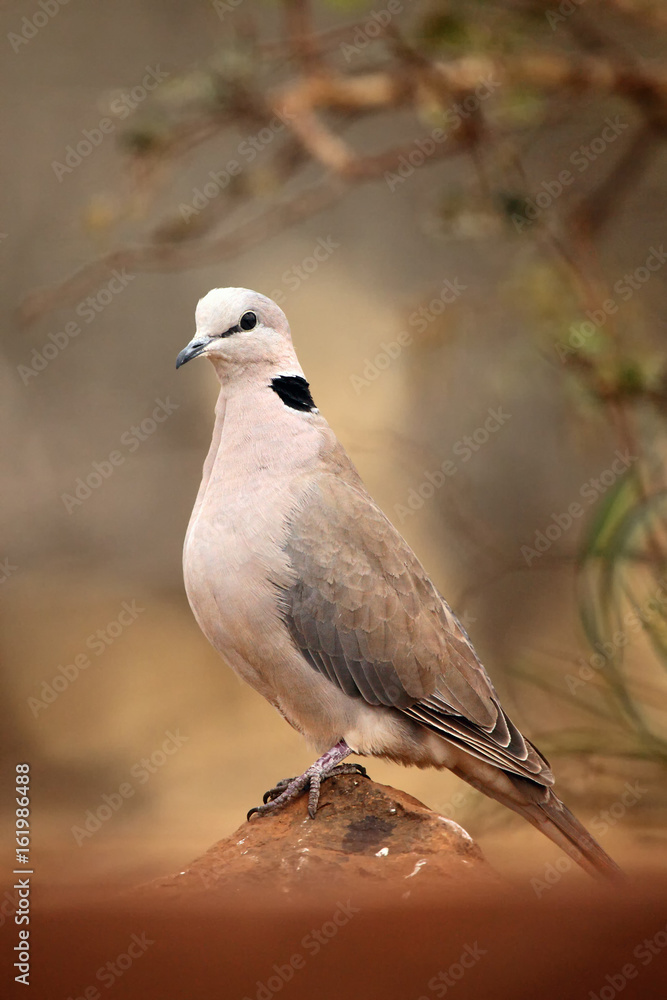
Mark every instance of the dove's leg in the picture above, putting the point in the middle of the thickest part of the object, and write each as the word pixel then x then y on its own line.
pixel 285 791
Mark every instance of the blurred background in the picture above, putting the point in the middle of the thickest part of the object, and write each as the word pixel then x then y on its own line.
pixel 461 207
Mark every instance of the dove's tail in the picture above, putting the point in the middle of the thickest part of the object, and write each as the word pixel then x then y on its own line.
pixel 557 822
pixel 542 808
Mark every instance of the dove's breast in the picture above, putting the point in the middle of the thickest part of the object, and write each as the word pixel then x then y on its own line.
pixel 259 471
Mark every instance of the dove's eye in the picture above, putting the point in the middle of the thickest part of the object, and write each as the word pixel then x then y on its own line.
pixel 248 321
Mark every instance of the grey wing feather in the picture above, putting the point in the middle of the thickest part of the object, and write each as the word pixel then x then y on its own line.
pixel 364 613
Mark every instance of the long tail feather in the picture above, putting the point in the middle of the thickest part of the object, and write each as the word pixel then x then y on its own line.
pixel 556 821
pixel 541 807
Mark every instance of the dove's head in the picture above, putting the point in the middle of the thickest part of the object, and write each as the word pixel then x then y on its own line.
pixel 239 329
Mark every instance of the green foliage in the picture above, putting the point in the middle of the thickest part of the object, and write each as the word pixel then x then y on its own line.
pixel 444 29
pixel 622 581
pixel 143 140
pixel 521 107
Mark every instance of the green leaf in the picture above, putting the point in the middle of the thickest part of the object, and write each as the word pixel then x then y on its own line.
pixel 617 503
pixel 605 551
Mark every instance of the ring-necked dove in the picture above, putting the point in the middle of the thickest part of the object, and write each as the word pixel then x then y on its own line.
pixel 299 580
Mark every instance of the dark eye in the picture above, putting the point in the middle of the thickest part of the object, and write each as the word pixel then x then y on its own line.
pixel 248 321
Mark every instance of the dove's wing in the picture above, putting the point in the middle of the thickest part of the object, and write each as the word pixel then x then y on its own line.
pixel 364 613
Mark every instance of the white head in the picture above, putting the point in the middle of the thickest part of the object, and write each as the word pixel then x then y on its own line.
pixel 239 329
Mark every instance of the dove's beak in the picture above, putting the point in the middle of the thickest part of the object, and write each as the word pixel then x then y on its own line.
pixel 193 350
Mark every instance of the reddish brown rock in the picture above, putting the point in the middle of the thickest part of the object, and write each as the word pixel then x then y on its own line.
pixel 363 832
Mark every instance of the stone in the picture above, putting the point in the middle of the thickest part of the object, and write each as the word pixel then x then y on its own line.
pixel 363 832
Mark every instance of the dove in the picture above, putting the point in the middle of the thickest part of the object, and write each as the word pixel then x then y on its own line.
pixel 311 595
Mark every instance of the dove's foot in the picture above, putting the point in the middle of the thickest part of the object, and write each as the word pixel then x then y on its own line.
pixel 284 783
pixel 288 789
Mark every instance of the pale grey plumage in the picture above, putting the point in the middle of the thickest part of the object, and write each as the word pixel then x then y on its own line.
pixel 377 627
pixel 298 578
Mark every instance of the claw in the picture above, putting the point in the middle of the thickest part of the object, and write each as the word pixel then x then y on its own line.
pixel 279 786
pixel 290 788
pixel 350 769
